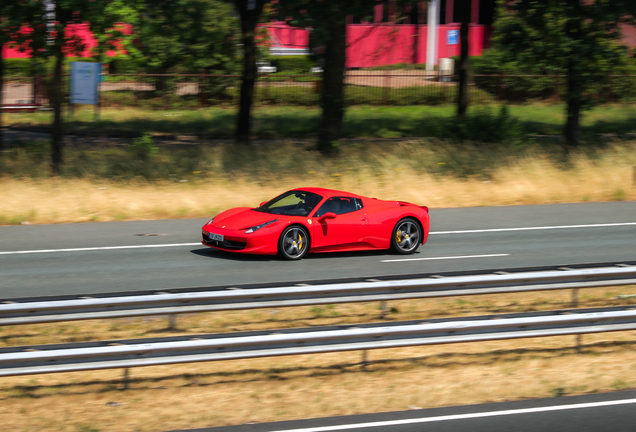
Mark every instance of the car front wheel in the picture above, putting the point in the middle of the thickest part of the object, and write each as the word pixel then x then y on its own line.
pixel 406 237
pixel 293 243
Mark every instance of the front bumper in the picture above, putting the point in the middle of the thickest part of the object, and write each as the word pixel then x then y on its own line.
pixel 265 243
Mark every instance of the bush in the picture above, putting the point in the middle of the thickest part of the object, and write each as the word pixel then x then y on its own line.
pixel 17 67
pixel 122 64
pixel 143 148
pixel 482 125
pixel 297 64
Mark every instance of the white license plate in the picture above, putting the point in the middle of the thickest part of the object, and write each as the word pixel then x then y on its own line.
pixel 217 237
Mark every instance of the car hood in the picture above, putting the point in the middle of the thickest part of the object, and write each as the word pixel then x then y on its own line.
pixel 241 218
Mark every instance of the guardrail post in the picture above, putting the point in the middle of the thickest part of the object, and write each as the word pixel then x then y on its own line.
pixel 578 344
pixel 575 297
pixel 383 309
pixel 172 325
pixel 365 361
pixel 126 378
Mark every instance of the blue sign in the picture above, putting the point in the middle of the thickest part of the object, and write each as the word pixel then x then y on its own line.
pixel 452 37
pixel 85 82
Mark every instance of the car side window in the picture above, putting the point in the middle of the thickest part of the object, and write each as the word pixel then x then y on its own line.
pixel 339 205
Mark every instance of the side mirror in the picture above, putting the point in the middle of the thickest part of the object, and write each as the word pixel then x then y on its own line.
pixel 328 215
pixel 262 204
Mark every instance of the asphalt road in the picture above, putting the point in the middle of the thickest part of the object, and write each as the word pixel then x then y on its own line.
pixel 39 260
pixel 614 412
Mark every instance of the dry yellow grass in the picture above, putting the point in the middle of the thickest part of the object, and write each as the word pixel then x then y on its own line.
pixel 261 390
pixel 531 180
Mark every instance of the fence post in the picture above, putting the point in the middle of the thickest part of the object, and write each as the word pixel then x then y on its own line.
pixel 202 89
pixel 386 89
pixel 265 78
pixel 499 88
pixel 98 101
pixel 34 89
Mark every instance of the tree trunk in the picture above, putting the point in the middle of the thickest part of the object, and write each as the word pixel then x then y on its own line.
pixel 463 67
pixel 250 12
pixel 58 94
pixel 333 103
pixel 2 147
pixel 575 78
pixel 574 93
pixel 57 132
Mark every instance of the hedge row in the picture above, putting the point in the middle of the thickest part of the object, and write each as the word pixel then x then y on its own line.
pixel 296 63
pixel 123 64
pixel 294 96
pixel 25 67
pixel 548 85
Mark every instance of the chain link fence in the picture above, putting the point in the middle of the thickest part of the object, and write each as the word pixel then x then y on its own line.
pixel 362 87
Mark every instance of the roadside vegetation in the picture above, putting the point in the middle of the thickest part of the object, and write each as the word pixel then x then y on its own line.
pixel 496 156
pixel 145 179
pixel 260 390
pixel 485 123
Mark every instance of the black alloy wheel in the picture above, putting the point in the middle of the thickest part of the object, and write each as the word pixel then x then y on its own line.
pixel 406 237
pixel 293 243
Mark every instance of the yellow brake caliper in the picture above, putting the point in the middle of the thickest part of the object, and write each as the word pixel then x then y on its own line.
pixel 399 236
pixel 300 242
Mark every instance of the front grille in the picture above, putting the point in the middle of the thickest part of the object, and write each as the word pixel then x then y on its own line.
pixel 226 244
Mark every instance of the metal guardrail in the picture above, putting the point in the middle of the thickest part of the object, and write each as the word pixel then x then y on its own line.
pixel 15 312
pixel 171 350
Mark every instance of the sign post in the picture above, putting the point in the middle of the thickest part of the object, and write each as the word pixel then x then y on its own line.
pixel 85 84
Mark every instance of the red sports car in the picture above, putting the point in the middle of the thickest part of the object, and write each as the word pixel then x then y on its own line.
pixel 318 220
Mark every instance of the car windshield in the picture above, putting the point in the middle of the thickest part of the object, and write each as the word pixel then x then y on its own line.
pixel 292 203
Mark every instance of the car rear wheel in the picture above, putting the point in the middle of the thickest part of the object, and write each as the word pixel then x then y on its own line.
pixel 406 237
pixel 293 243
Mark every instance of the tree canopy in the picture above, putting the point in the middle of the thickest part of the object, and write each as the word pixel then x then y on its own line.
pixel 187 35
pixel 577 37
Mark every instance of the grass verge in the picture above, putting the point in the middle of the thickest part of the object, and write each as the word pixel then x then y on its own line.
pixel 297 122
pixel 112 183
pixel 261 390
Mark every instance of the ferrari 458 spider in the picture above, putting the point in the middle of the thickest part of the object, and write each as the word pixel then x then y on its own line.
pixel 318 220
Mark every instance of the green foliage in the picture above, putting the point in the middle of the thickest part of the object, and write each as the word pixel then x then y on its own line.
pixel 549 81
pixel 574 37
pixel 302 64
pixel 122 64
pixel 482 125
pixel 143 148
pixel 17 67
pixel 187 36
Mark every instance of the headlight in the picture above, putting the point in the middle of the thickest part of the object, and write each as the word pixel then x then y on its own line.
pixel 210 221
pixel 257 227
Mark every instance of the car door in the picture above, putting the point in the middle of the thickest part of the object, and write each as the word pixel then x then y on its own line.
pixel 345 231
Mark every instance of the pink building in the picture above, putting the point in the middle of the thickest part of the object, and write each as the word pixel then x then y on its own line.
pixel 381 42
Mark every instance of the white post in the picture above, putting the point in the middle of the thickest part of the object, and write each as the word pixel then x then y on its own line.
pixel 431 40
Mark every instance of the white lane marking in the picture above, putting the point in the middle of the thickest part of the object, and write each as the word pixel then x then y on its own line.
pixel 447 257
pixel 432 233
pixel 98 248
pixel 461 416
pixel 534 228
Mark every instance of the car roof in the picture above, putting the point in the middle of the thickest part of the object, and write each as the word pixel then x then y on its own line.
pixel 328 192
